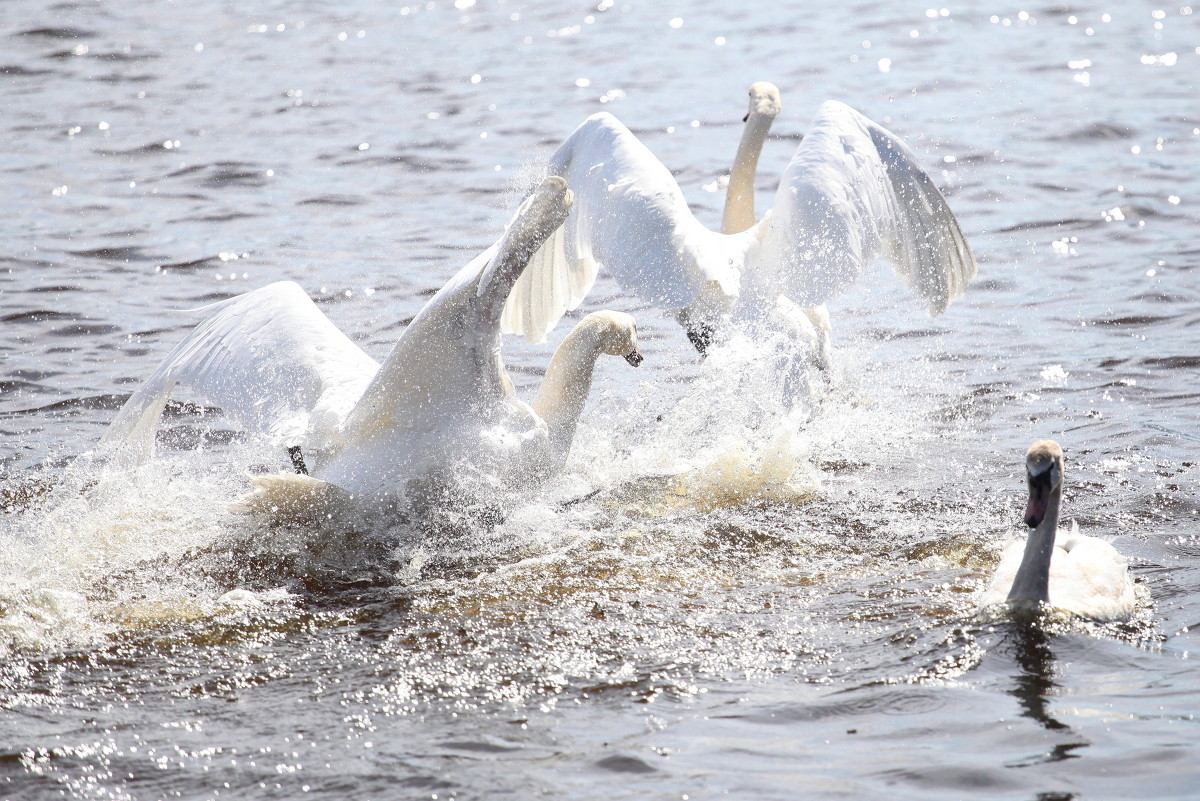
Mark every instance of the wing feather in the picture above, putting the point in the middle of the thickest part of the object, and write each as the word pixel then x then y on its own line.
pixel 269 358
pixel 852 193
pixel 630 218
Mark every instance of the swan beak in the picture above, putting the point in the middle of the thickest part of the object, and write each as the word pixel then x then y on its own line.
pixel 1039 495
pixel 634 358
pixel 746 117
pixel 1035 510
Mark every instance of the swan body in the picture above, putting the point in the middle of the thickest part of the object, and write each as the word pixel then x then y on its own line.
pixel 441 398
pixel 1066 571
pixel 852 193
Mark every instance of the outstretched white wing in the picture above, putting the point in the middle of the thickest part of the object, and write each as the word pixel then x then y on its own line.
pixel 630 218
pixel 447 361
pixel 270 359
pixel 444 381
pixel 853 192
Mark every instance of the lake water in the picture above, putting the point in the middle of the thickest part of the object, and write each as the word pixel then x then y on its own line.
pixel 785 618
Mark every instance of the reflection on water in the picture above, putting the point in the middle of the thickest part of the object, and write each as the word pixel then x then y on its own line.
pixel 1030 645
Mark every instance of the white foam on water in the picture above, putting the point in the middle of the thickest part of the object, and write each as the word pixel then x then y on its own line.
pixel 734 480
pixel 112 552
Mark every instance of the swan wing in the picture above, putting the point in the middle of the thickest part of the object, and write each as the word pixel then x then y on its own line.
pixel 629 217
pixel 269 358
pixel 447 363
pixel 852 193
pixel 1004 574
pixel 1089 577
pixel 444 386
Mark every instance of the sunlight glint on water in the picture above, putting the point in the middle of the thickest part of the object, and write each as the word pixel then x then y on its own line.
pixel 716 598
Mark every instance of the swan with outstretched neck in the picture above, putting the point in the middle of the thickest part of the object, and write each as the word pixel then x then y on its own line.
pixel 274 363
pixel 852 193
pixel 1053 569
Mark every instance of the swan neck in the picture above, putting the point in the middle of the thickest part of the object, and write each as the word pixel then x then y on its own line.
pixel 564 390
pixel 1032 582
pixel 739 197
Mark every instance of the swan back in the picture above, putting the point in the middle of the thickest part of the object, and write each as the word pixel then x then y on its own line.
pixel 631 218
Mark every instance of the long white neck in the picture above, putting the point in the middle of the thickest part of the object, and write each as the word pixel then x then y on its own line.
pixel 739 197
pixel 565 388
pixel 1032 582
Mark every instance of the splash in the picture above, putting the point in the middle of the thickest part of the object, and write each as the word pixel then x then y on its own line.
pixel 727 488
pixel 108 553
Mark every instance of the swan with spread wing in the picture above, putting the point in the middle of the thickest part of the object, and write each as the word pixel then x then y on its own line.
pixel 275 364
pixel 852 193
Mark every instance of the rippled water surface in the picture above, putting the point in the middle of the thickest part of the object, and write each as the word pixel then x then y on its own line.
pixel 694 609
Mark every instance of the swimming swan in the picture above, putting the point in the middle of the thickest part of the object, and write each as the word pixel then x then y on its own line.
pixel 277 365
pixel 1071 572
pixel 853 192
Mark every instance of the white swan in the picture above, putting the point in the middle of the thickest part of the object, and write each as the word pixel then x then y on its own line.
pixel 273 362
pixel 853 192
pixel 1071 572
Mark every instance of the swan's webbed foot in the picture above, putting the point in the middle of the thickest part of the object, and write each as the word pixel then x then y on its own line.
pixel 701 336
pixel 297 460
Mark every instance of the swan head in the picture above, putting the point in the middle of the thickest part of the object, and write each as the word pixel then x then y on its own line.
pixel 764 100
pixel 615 334
pixel 1044 473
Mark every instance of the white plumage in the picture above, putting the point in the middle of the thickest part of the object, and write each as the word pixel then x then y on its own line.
pixel 275 364
pixel 1067 571
pixel 852 193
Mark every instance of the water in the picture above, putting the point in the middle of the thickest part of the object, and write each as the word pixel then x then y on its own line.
pixel 795 614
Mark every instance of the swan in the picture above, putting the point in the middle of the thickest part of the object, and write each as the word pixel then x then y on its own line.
pixel 1069 572
pixel 275 364
pixel 852 193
